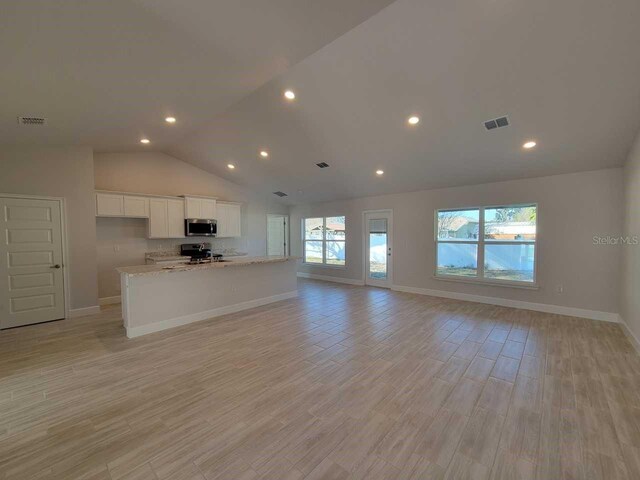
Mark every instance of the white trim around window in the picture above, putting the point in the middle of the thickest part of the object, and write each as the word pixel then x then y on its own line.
pixel 477 235
pixel 322 237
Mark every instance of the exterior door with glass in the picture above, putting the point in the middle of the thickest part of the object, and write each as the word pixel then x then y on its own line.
pixel 378 248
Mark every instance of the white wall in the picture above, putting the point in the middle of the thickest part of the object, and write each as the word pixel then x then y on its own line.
pixel 572 209
pixel 68 173
pixel 160 174
pixel 630 298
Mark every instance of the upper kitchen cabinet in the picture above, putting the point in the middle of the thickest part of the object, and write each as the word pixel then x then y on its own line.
pixel 229 219
pixel 158 218
pixel 175 218
pixel 109 205
pixel 200 207
pixel 119 205
pixel 136 207
pixel 166 218
pixel 167 214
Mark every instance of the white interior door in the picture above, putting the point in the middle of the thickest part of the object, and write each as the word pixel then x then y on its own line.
pixel 277 235
pixel 378 251
pixel 31 268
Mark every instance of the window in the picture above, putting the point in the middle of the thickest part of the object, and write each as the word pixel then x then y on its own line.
pixel 324 241
pixel 493 244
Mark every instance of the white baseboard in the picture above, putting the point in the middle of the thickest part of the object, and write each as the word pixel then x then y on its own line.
pixel 629 334
pixel 503 302
pixel 82 312
pixel 197 317
pixel 326 278
pixel 109 300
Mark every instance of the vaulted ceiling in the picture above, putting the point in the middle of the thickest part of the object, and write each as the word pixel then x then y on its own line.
pixel 106 73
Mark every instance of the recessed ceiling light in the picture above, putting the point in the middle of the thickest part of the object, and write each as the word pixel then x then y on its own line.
pixel 170 119
pixel 413 120
pixel 289 95
pixel 379 172
pixel 264 154
pixel 231 166
pixel 145 140
pixel 529 144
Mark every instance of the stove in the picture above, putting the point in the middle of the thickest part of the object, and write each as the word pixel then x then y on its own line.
pixel 199 253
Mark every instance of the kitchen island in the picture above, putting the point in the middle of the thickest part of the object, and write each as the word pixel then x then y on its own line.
pixel 156 297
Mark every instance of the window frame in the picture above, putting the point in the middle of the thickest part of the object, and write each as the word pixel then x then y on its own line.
pixel 481 243
pixel 324 242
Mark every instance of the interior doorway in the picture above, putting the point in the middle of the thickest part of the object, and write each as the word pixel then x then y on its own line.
pixel 378 239
pixel 31 261
pixel 277 234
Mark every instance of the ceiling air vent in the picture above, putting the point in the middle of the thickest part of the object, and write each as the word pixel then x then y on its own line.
pixel 32 120
pixel 280 194
pixel 322 165
pixel 496 123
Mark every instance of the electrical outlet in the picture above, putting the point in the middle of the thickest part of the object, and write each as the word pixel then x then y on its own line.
pixel 560 289
pixel 116 248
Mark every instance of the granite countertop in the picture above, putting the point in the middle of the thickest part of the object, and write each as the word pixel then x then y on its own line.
pixel 238 262
pixel 166 256
pixel 171 255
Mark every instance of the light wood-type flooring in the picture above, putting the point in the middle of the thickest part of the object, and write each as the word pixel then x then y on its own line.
pixel 341 383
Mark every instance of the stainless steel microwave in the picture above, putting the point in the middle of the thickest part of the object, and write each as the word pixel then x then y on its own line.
pixel 200 227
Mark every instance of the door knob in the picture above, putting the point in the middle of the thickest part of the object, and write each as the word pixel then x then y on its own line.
pixel 55 266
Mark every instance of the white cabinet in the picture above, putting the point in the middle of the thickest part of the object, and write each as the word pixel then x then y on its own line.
pixel 166 218
pixel 229 219
pixel 175 220
pixel 200 207
pixel 109 205
pixel 158 218
pixel 136 207
pixel 117 205
pixel 167 214
pixel 193 207
pixel 208 208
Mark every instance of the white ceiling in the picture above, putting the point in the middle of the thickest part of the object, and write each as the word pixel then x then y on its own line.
pixel 567 74
pixel 107 72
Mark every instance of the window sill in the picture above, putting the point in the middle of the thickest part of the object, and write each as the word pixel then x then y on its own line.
pixel 524 286
pixel 323 265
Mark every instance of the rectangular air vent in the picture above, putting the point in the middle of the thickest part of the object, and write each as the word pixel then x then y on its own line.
pixel 322 165
pixel 497 123
pixel 32 120
pixel 280 194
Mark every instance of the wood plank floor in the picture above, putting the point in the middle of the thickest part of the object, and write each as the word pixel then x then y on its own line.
pixel 342 383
